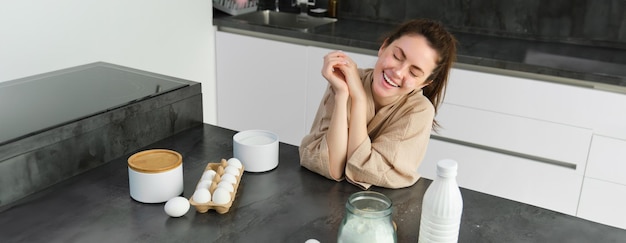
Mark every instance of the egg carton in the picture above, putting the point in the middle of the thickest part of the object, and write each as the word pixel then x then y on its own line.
pixel 219 208
pixel 230 6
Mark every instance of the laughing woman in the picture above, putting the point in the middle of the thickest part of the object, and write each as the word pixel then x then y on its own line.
pixel 373 125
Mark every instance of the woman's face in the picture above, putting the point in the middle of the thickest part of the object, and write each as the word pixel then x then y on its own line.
pixel 402 67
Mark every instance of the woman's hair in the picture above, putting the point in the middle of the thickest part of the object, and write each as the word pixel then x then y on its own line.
pixel 443 43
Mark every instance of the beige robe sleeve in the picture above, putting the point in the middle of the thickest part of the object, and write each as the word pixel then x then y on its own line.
pixel 314 148
pixel 392 158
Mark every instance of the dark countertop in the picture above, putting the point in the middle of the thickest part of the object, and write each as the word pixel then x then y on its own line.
pixel 73 94
pixel 593 65
pixel 287 204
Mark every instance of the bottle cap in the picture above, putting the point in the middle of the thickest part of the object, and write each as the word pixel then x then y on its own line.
pixel 446 168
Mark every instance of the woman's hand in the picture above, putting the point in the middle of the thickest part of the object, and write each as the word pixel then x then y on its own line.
pixel 342 74
pixel 334 75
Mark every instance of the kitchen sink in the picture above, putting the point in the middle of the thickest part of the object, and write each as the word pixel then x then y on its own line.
pixel 293 21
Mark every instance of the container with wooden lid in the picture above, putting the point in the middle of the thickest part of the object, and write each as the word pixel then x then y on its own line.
pixel 155 175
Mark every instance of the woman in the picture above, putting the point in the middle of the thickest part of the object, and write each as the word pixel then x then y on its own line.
pixel 373 125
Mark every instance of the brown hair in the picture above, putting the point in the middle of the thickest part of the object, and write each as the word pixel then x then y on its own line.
pixel 443 43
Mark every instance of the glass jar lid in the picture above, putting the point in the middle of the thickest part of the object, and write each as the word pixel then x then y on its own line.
pixel 369 204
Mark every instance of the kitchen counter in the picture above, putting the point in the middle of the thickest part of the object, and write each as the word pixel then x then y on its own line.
pixel 582 65
pixel 287 204
pixel 97 87
pixel 56 124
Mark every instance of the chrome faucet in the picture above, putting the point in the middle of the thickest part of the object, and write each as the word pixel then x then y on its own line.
pixel 303 4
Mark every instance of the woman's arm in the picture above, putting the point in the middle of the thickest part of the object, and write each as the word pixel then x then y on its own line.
pixel 337 138
pixel 392 157
pixel 337 134
pixel 344 135
pixel 357 132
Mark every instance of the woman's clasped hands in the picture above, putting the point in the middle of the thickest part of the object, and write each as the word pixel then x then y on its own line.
pixel 342 74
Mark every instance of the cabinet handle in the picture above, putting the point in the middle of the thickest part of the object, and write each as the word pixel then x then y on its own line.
pixel 504 151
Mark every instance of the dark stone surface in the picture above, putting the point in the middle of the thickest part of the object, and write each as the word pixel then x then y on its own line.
pixel 287 204
pixel 45 101
pixel 45 157
pixel 587 62
pixel 589 22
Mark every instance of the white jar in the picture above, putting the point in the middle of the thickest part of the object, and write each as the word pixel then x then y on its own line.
pixel 155 176
pixel 256 149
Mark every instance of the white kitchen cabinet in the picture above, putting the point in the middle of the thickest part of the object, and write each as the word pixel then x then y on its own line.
pixel 603 202
pixel 603 194
pixel 545 141
pixel 515 138
pixel 260 85
pixel 607 160
pixel 601 111
pixel 519 179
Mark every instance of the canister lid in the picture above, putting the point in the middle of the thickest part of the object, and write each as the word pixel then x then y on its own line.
pixel 155 160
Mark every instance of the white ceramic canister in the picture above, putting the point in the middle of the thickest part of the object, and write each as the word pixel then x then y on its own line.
pixel 256 149
pixel 155 176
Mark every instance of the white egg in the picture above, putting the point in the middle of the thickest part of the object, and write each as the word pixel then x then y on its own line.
pixel 235 162
pixel 231 169
pixel 312 241
pixel 204 184
pixel 208 175
pixel 176 207
pixel 226 185
pixel 202 196
pixel 221 196
pixel 229 178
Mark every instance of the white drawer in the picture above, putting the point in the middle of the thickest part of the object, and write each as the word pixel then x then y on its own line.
pixel 531 138
pixel 598 110
pixel 607 160
pixel 603 202
pixel 543 185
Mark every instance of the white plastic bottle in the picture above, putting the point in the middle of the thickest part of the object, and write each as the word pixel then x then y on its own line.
pixel 442 206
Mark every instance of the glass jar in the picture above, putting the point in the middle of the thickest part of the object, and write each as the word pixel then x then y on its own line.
pixel 367 219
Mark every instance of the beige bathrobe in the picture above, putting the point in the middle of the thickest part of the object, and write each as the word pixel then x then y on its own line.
pixel 398 137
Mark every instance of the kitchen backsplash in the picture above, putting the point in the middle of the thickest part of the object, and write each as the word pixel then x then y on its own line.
pixel 589 22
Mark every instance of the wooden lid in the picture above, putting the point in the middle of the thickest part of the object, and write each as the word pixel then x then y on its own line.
pixel 155 160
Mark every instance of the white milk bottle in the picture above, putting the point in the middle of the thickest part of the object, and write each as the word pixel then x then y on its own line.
pixel 442 206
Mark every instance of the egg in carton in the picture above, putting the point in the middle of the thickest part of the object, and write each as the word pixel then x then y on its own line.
pixel 219 197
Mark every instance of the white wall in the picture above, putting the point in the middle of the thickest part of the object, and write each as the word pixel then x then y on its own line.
pixel 174 38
